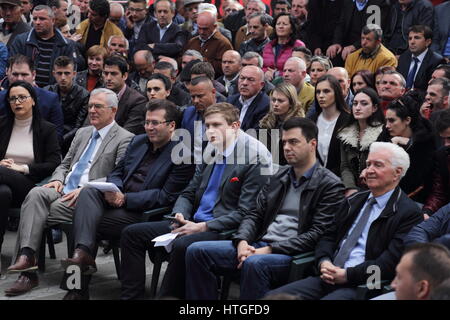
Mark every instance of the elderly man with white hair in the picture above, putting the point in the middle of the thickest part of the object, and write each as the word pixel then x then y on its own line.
pixel 367 232
pixel 294 72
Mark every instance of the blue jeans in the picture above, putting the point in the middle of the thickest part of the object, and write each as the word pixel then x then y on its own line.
pixel 259 273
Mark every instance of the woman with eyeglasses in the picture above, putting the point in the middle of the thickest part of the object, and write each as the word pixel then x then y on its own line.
pixel 330 117
pixel 362 128
pixel 158 87
pixel 280 48
pixel 283 106
pixel 405 127
pixel 29 148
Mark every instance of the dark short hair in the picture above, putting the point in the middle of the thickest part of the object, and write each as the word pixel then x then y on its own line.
pixel 21 59
pixel 442 291
pixel 201 79
pixel 162 78
pixel 119 61
pixel 308 127
pixel 101 7
pixel 443 121
pixel 383 70
pixel 264 18
pixel 172 113
pixel 444 82
pixel 284 2
pixel 164 65
pixel 64 61
pixel 430 261
pixel 445 68
pixel 205 68
pixel 185 74
pixel 305 50
pixel 419 28
pixel 139 1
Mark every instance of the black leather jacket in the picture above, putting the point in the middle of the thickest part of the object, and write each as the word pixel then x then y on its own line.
pixel 322 195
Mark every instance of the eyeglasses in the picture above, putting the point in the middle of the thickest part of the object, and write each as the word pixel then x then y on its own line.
pixel 20 98
pixel 155 123
pixel 97 106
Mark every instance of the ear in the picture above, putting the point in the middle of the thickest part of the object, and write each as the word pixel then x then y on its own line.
pixel 125 76
pixel 236 125
pixel 428 42
pixel 408 120
pixel 423 290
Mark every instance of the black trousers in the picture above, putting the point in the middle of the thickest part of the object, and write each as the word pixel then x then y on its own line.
pixel 14 187
pixel 134 243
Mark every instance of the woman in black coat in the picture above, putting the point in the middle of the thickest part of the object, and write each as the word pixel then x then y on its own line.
pixel 405 127
pixel 29 148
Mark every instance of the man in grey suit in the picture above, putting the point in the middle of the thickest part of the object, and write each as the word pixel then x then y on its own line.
pixel 94 153
pixel 220 194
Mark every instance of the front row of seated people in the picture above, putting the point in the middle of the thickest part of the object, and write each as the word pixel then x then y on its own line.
pixel 299 208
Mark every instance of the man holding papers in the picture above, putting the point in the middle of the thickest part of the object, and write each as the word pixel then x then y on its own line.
pixel 94 152
pixel 222 191
pixel 147 177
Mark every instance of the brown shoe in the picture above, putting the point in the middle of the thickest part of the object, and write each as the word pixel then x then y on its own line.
pixel 23 264
pixel 76 295
pixel 83 259
pixel 22 285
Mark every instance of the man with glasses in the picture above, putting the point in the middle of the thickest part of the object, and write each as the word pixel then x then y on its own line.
pixel 147 178
pixel 135 17
pixel 94 153
pixel 11 11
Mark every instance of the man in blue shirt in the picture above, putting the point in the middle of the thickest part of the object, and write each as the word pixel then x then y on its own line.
pixel 368 231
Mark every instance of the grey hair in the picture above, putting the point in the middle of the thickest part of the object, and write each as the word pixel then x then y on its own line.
pixel 118 5
pixel 172 4
pixel 300 62
pixel 261 4
pixel 399 157
pixel 49 10
pixel 207 7
pixel 264 18
pixel 127 44
pixel 111 98
pixel 252 54
pixel 377 31
pixel 401 77
pixel 324 61
pixel 193 53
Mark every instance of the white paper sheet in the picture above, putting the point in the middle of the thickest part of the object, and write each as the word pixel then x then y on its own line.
pixel 165 240
pixel 103 186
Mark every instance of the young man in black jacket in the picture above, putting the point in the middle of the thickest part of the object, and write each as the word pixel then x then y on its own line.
pixel 367 232
pixel 294 209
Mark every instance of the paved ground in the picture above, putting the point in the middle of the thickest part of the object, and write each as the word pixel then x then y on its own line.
pixel 104 284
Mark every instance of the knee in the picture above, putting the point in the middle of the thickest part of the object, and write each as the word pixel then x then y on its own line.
pixel 254 263
pixel 89 193
pixel 193 250
pixel 5 194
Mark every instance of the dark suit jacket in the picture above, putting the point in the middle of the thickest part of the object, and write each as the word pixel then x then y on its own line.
pixel 49 108
pixel 46 149
pixel 429 63
pixel 441 26
pixel 162 184
pixel 334 151
pixel 240 183
pixel 384 245
pixel 257 109
pixel 170 45
pixel 131 112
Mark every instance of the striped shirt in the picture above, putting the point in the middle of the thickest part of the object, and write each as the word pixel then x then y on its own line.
pixel 44 67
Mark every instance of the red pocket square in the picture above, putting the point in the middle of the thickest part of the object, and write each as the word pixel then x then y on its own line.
pixel 234 179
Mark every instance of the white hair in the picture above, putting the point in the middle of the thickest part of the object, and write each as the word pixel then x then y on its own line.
pixel 260 4
pixel 399 157
pixel 207 7
pixel 111 96
pixel 127 45
pixel 193 53
pixel 300 62
pixel 117 5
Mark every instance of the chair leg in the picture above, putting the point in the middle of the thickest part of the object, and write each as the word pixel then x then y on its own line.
pixel 158 260
pixel 67 229
pixel 50 243
pixel 41 257
pixel 116 256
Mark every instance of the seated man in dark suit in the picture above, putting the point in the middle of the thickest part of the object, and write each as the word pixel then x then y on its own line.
pixel 73 97
pixel 418 62
pixel 368 230
pixel 22 68
pixel 221 193
pixel 293 210
pixel 162 37
pixel 147 178
pixel 131 111
pixel 53 203
pixel 251 99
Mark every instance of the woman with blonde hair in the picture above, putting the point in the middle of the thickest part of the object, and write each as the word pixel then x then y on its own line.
pixel 283 106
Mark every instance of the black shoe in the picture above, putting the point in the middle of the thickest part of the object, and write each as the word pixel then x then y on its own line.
pixel 57 235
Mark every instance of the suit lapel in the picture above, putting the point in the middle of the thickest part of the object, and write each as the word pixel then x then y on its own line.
pixel 139 155
pixel 84 141
pixel 121 108
pixel 167 34
pixel 161 161
pixel 111 134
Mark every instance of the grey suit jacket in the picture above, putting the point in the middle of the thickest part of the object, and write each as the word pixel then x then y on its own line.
pixel 108 154
pixel 247 169
pixel 441 26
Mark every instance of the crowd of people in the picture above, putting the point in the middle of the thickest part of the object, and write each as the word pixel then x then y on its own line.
pixel 268 130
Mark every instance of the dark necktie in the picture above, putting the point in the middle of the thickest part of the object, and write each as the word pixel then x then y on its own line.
pixel 75 177
pixel 352 239
pixel 412 73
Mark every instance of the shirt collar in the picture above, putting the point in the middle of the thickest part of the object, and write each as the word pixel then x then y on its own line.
pixel 165 28
pixel 420 56
pixel 203 41
pixel 360 5
pixel 248 101
pixel 121 92
pixel 104 131
pixel 306 176
pixel 383 199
